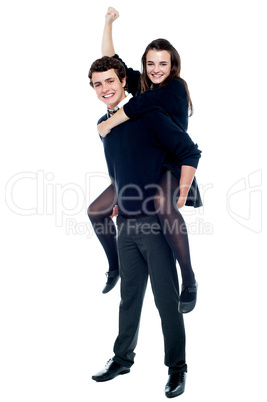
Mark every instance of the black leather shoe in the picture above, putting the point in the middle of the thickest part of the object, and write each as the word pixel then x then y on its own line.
pixel 175 385
pixel 113 277
pixel 188 298
pixel 111 370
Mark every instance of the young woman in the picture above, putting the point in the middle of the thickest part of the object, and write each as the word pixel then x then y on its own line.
pixel 159 86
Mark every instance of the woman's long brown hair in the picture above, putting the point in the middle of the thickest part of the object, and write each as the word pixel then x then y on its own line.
pixel 163 44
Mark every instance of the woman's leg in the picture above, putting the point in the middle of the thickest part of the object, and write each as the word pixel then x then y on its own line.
pixel 175 231
pixel 99 214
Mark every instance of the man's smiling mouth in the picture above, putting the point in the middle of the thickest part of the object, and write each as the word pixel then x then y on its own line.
pixel 108 95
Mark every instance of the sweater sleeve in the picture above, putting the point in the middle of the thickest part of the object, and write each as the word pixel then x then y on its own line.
pixel 170 99
pixel 133 78
pixel 167 135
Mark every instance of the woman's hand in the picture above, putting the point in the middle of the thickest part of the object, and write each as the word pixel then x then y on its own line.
pixel 181 202
pixel 187 176
pixel 111 15
pixel 115 211
pixel 103 129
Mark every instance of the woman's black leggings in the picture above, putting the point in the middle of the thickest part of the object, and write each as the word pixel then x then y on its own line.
pixel 172 222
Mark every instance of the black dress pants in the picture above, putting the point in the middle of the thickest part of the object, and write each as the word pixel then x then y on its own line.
pixel 143 251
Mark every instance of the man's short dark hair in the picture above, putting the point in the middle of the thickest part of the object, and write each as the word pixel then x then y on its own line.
pixel 107 63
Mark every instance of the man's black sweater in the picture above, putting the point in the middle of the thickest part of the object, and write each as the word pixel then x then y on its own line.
pixel 135 152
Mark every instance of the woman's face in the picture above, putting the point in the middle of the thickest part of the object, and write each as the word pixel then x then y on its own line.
pixel 158 65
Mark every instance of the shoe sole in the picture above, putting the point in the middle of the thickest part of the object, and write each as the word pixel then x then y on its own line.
pixel 174 395
pixel 184 308
pixel 108 379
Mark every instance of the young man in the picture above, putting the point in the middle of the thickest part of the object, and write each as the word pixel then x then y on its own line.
pixel 135 152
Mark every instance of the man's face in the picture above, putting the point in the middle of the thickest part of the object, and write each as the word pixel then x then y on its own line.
pixel 108 87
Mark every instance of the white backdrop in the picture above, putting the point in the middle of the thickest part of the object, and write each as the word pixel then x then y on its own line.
pixel 57 329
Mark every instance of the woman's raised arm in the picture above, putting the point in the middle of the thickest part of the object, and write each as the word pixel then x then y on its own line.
pixel 107 45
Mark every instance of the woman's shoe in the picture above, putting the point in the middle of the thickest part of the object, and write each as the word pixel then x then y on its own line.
pixel 113 277
pixel 188 298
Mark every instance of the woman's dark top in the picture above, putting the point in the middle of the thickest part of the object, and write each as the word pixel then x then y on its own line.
pixel 135 152
pixel 170 99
